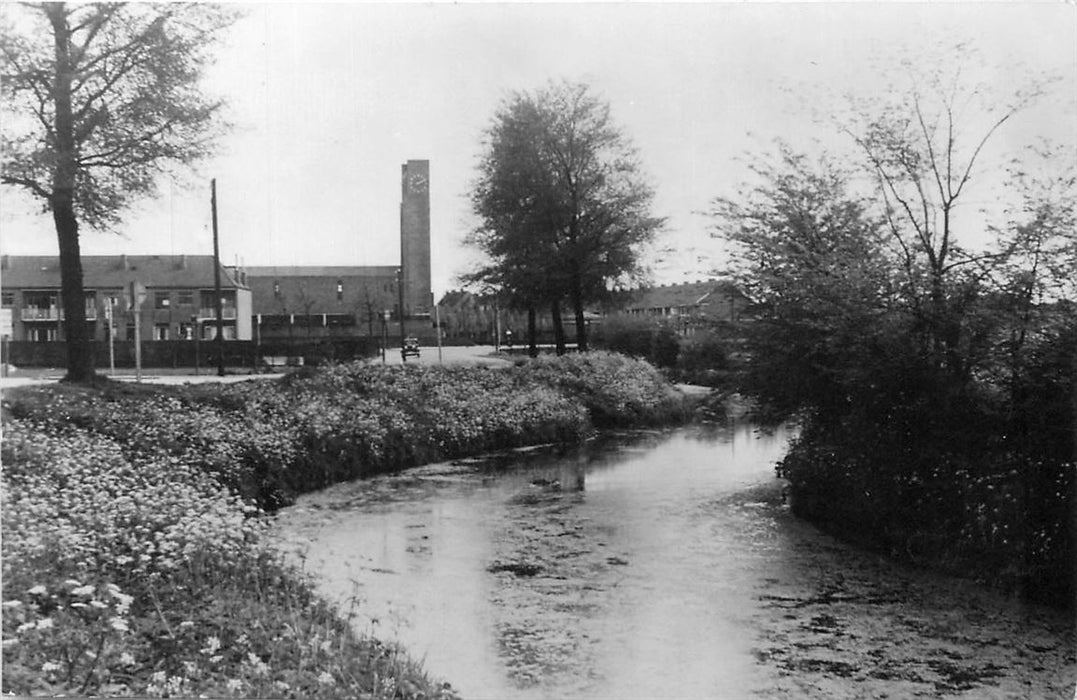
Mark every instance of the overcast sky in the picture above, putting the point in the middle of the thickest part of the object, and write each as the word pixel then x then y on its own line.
pixel 330 100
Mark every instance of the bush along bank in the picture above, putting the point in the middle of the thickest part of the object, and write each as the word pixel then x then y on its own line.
pixel 268 441
pixel 969 505
pixel 140 575
pixel 132 564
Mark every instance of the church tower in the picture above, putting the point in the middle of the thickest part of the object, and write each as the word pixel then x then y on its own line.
pixel 415 238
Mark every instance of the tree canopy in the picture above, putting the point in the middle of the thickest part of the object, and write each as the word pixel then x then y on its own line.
pixel 98 100
pixel 564 209
pixel 928 373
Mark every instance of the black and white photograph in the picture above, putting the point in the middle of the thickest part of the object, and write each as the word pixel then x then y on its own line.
pixel 538 350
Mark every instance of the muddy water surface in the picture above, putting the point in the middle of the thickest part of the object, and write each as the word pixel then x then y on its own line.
pixel 656 565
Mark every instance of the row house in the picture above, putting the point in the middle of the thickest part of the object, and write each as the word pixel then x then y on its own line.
pixel 711 300
pixel 179 301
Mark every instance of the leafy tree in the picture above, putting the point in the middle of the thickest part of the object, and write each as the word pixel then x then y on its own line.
pixel 932 374
pixel 564 209
pixel 99 99
pixel 813 260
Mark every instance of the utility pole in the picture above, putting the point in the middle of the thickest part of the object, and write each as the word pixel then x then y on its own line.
pixel 218 306
pixel 400 294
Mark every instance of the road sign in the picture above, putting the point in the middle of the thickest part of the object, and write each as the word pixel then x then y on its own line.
pixel 133 295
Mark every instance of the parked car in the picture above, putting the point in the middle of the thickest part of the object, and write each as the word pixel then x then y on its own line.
pixel 411 347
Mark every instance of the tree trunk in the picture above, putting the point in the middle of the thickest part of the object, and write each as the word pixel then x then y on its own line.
pixel 581 323
pixel 558 327
pixel 62 203
pixel 532 331
pixel 80 367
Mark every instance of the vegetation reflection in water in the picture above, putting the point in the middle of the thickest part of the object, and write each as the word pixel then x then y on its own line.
pixel 539 573
pixel 649 564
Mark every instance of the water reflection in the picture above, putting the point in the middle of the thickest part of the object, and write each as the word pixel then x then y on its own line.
pixel 586 573
pixel 652 565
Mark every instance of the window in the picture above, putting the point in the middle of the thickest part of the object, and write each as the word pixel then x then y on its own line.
pixel 162 300
pixel 7 299
pixel 161 331
pixel 340 290
pixel 185 297
pixel 276 290
pixel 43 334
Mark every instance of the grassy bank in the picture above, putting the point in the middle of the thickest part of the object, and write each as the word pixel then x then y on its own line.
pixel 134 560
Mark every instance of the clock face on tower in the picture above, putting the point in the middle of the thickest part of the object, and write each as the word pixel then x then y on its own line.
pixel 417 182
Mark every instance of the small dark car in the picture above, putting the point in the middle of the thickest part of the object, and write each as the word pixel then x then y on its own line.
pixel 411 347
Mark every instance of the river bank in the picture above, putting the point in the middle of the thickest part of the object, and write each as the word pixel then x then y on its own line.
pixel 133 556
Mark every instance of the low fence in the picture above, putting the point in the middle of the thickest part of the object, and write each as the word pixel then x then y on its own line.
pixel 186 353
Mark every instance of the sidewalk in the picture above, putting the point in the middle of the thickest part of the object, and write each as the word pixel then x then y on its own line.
pixel 29 377
pixel 450 355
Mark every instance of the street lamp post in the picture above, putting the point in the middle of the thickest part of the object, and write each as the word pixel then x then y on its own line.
pixel 384 333
pixel 197 332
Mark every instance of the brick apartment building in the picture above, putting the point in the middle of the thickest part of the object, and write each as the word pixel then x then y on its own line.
pixel 179 302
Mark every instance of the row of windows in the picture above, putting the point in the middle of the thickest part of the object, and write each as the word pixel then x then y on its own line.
pixel 161 299
pixel 387 287
pixel 160 331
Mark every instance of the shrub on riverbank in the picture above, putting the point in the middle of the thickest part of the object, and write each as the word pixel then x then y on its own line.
pixel 131 562
pixel 128 575
pixel 617 391
pixel 268 441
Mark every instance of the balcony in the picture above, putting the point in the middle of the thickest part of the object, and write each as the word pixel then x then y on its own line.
pixel 228 313
pixel 40 313
pixel 52 313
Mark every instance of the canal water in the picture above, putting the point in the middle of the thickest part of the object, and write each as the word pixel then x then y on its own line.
pixel 655 565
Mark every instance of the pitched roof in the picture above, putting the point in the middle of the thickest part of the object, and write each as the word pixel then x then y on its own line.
pixel 114 271
pixel 277 290
pixel 321 271
pixel 690 294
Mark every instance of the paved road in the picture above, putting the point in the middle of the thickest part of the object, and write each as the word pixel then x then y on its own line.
pixel 477 354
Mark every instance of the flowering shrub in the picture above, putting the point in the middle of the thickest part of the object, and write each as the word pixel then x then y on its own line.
pixel 617 390
pixel 133 574
pixel 267 441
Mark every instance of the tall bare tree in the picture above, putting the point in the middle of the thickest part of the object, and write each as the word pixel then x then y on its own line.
pixel 98 100
pixel 926 138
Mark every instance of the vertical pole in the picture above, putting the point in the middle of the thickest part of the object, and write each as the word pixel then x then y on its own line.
pixel 437 322
pixel 218 305
pixel 197 342
pixel 400 294
pixel 384 334
pixel 111 336
pixel 137 310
